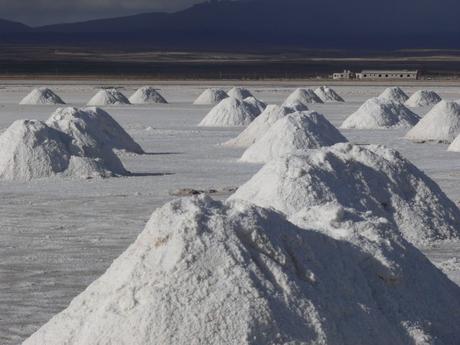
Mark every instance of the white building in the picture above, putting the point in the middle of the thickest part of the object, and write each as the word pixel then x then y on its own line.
pixel 387 74
pixel 346 74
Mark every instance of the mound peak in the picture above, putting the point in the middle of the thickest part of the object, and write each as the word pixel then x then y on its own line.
pixel 328 94
pixel 294 132
pixel 370 179
pixel 394 94
pixel 108 97
pixel 206 272
pixel 380 113
pixel 41 95
pixel 211 96
pixel 147 95
pixel 240 93
pixel 230 112
pixel 302 96
pixel 423 98
pixel 256 106
pixel 441 124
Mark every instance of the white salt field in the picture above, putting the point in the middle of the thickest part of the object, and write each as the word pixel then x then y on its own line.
pixel 60 234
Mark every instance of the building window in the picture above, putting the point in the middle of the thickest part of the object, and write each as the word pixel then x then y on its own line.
pixel 401 76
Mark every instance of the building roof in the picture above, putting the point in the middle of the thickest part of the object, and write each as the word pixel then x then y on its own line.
pixel 389 71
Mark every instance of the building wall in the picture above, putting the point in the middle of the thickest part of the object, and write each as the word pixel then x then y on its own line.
pixel 387 75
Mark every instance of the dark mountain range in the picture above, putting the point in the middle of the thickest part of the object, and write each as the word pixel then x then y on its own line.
pixel 7 26
pixel 259 24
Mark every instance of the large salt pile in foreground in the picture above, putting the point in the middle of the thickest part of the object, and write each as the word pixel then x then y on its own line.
pixel 30 149
pixel 211 96
pixel 328 95
pixel 228 113
pixel 91 125
pixel 377 113
pixel 108 97
pixel 293 132
pixel 240 93
pixel 441 124
pixel 423 98
pixel 41 95
pixel 370 179
pixel 147 95
pixel 261 125
pixel 204 272
pixel 395 94
pixel 303 96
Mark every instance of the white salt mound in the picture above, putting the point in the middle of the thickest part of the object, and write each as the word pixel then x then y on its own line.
pixel 211 96
pixel 231 112
pixel 441 124
pixel 204 272
pixel 303 96
pixel 395 94
pixel 259 126
pixel 370 179
pixel 240 93
pixel 328 95
pixel 30 149
pixel 147 95
pixel 256 106
pixel 93 126
pixel 378 113
pixel 298 131
pixel 41 95
pixel 108 97
pixel 423 98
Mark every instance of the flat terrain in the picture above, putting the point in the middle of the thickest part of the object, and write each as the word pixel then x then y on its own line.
pixel 58 235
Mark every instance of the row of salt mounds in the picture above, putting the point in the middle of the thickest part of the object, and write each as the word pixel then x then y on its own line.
pixel 231 112
pixel 240 93
pixel 262 124
pixel 441 124
pixel 206 272
pixel 328 95
pixel 368 179
pixel 211 96
pixel 302 96
pixel 108 97
pixel 31 149
pixel 395 94
pixel 298 131
pixel 41 95
pixel 93 127
pixel 147 95
pixel 423 98
pixel 378 113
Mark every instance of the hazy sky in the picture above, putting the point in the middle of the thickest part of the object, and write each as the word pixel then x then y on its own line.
pixel 38 12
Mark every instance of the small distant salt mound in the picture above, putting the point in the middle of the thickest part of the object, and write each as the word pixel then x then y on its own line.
pixel 370 179
pixel 93 125
pixel 108 97
pixel 146 95
pixel 240 93
pixel 30 149
pixel 230 112
pixel 328 95
pixel 211 96
pixel 205 272
pixel 395 94
pixel 302 96
pixel 441 124
pixel 423 98
pixel 41 96
pixel 294 132
pixel 378 113
pixel 260 126
pixel 256 106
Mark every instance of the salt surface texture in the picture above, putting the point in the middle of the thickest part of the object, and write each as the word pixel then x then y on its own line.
pixel 147 95
pixel 441 124
pixel 204 272
pixel 231 112
pixel 41 95
pixel 379 113
pixel 211 96
pixel 108 97
pixel 423 98
pixel 370 179
pixel 293 132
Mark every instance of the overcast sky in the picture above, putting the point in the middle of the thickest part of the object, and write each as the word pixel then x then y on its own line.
pixel 39 12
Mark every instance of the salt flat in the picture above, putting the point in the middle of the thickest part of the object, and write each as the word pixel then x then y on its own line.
pixel 58 235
